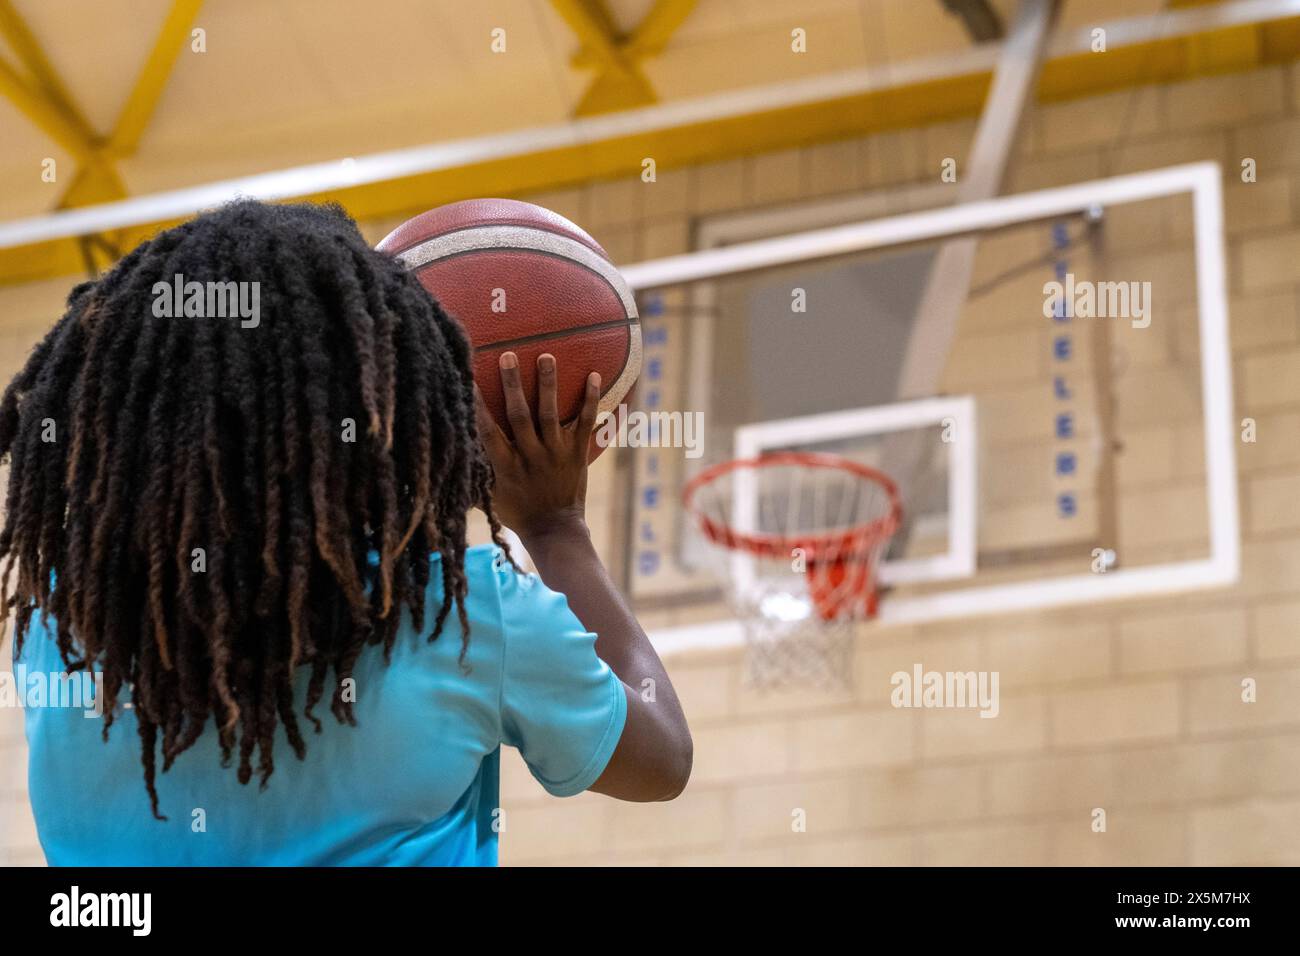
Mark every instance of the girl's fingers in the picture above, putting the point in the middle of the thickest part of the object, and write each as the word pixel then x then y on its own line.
pixel 548 416
pixel 587 417
pixel 517 411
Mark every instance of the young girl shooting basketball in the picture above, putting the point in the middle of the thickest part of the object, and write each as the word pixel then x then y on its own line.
pixel 235 524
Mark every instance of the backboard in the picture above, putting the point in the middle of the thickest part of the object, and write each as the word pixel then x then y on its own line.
pixel 1035 441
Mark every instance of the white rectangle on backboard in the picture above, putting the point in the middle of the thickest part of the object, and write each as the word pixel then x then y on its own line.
pixel 955 415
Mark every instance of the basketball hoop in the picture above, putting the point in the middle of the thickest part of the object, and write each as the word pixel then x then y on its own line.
pixel 804 532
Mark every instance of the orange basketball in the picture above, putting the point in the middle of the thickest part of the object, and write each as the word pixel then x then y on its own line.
pixel 521 278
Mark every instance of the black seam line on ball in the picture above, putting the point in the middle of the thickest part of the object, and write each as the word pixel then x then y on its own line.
pixel 559 334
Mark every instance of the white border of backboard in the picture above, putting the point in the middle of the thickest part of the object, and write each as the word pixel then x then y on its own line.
pixel 1203 181
pixel 959 559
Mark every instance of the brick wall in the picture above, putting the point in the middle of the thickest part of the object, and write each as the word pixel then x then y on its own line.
pixel 1133 708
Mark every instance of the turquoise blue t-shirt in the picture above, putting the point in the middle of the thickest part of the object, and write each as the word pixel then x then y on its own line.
pixel 415 783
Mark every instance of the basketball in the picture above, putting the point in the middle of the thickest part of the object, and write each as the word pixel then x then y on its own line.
pixel 523 279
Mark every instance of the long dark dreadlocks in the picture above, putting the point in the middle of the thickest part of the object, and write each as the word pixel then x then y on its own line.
pixel 136 440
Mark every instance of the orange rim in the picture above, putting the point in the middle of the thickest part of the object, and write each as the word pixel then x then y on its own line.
pixel 839 545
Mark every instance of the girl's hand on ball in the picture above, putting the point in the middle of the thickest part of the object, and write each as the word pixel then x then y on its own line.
pixel 541 476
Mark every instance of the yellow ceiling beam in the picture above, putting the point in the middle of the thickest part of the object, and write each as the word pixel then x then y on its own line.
pixel 25 45
pixel 658 27
pixel 34 103
pixel 616 89
pixel 620 83
pixel 1158 61
pixel 142 102
pixel 45 100
pixel 592 24
pixel 95 182
pixel 650 37
pixel 42 96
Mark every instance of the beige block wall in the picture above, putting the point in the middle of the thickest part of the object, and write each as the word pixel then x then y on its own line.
pixel 1133 709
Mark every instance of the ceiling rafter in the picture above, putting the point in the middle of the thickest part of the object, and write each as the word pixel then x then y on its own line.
pixel 620 83
pixel 157 69
pixel 43 97
pixel 1170 47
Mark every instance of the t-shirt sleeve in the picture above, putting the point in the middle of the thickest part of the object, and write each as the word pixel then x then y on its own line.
pixel 561 705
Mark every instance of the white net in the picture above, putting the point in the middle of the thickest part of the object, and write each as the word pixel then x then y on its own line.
pixel 798 536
